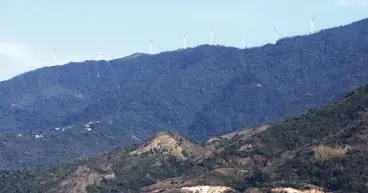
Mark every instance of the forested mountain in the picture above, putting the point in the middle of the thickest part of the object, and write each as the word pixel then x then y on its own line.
pixel 199 92
pixel 324 150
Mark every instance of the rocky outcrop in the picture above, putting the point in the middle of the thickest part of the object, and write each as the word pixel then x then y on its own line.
pixel 206 189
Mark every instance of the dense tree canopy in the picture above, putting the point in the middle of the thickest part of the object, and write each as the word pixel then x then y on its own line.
pixel 200 92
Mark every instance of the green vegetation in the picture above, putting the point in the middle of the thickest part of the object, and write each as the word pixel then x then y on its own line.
pixel 136 172
pixel 322 148
pixel 199 92
pixel 323 153
pixel 335 125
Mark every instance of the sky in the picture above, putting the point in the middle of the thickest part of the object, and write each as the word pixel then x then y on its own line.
pixel 30 30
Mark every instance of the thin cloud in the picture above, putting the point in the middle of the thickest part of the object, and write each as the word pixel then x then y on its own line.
pixel 16 58
pixel 14 50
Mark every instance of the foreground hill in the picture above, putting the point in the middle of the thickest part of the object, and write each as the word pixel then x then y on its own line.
pixel 199 92
pixel 316 152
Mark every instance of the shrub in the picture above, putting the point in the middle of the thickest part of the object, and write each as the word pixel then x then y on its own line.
pixel 322 152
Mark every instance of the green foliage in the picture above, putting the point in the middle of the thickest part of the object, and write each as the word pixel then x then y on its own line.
pixel 313 126
pixel 333 125
pixel 338 174
pixel 185 154
pixel 34 180
pixel 343 123
pixel 134 173
pixel 201 92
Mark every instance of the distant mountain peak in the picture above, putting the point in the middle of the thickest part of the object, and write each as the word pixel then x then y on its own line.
pixel 172 144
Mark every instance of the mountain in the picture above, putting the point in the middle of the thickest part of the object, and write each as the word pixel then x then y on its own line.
pixel 318 151
pixel 199 92
pixel 173 145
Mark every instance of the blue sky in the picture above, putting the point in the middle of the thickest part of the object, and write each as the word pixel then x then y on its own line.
pixel 31 29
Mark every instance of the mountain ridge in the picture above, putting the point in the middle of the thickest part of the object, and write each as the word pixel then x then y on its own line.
pixel 198 92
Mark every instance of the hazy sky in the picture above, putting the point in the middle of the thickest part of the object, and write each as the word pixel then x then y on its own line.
pixel 31 29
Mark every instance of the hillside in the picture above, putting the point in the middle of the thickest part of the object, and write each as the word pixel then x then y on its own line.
pixel 199 92
pixel 316 152
pixel 173 145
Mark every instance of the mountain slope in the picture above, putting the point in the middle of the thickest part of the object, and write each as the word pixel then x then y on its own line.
pixel 321 147
pixel 200 92
pixel 131 170
pixel 173 145
pixel 318 151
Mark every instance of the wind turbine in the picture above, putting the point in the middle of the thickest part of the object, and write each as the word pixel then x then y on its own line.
pixel 185 42
pixel 54 55
pixel 243 42
pixel 312 25
pixel 150 45
pixel 101 58
pixel 276 34
pixel 101 54
pixel 211 37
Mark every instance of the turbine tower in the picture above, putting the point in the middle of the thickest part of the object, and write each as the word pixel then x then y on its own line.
pixel 185 42
pixel 101 58
pixel 101 54
pixel 312 25
pixel 243 42
pixel 54 56
pixel 211 37
pixel 150 45
pixel 276 34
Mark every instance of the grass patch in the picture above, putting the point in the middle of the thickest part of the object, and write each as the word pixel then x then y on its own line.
pixel 322 152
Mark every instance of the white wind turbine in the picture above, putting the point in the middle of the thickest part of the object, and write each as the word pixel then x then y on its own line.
pixel 185 41
pixel 212 37
pixel 101 54
pixel 312 25
pixel 243 42
pixel 55 56
pixel 150 45
pixel 276 34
